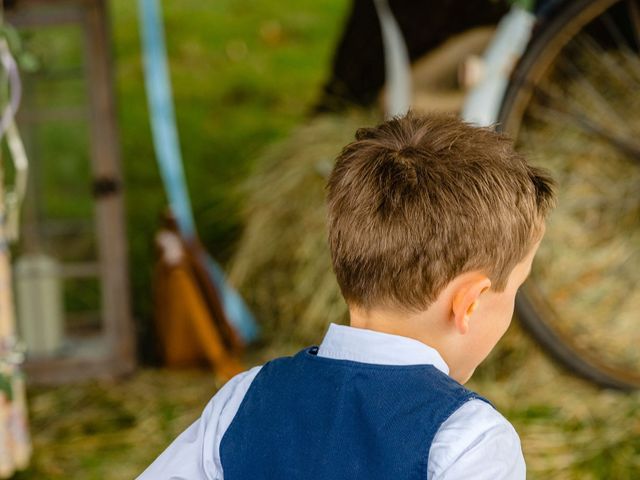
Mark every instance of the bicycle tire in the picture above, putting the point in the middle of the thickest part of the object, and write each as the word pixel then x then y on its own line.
pixel 545 48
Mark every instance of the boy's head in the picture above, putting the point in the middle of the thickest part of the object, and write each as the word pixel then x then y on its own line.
pixel 418 202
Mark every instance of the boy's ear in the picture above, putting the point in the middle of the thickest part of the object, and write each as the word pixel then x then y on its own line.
pixel 465 300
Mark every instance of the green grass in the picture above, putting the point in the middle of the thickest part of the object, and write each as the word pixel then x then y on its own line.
pixel 116 429
pixel 244 73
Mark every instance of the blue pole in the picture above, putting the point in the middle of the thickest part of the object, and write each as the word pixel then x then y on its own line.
pixel 163 126
pixel 167 148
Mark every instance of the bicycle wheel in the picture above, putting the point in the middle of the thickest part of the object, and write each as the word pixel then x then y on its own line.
pixel 573 105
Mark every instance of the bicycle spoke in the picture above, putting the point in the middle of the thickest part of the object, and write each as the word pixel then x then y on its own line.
pixel 629 55
pixel 597 54
pixel 634 17
pixel 592 93
pixel 605 121
pixel 576 114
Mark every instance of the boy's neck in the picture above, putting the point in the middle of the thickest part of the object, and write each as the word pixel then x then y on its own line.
pixel 422 326
pixel 428 327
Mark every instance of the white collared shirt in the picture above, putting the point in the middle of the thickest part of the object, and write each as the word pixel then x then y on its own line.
pixel 475 442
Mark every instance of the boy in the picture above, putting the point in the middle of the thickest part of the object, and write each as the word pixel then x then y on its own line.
pixel 433 225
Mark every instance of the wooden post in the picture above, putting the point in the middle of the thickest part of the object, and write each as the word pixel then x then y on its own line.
pixel 105 156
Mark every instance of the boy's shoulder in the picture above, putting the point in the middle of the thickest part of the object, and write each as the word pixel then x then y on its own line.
pixel 476 435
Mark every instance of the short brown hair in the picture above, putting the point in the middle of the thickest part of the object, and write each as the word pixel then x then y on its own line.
pixel 418 200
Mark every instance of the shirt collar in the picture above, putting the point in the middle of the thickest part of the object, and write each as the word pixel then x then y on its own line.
pixel 368 346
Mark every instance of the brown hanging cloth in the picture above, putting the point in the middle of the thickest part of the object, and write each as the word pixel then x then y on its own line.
pixel 192 327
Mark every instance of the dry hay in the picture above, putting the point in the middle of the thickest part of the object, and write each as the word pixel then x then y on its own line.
pixel 112 430
pixel 282 262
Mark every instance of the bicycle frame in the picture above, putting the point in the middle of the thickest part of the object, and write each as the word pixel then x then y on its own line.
pixel 482 104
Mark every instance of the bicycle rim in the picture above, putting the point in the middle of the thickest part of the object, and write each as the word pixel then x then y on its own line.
pixel 572 106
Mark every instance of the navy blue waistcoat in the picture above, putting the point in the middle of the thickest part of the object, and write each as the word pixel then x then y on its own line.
pixel 310 417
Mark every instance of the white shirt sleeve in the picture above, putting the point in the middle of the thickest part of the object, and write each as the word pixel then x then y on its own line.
pixel 195 454
pixel 477 442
